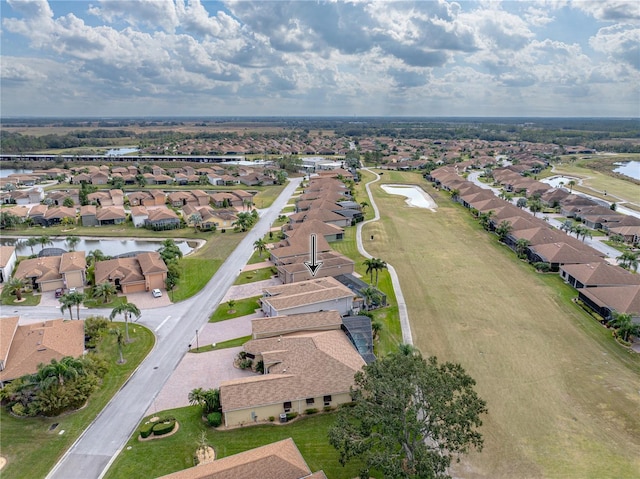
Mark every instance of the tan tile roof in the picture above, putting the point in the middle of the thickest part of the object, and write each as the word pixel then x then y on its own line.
pixel 40 343
pixel 88 210
pixel 623 299
pixel 151 262
pixel 5 254
pixel 313 291
pixel 317 227
pixel 73 261
pixel 60 212
pixel 38 210
pixel 276 325
pixel 162 214
pixel 279 460
pixel 45 268
pixel 127 270
pixel 20 211
pixel 564 253
pixel 601 274
pixel 111 213
pixel 328 259
pixel 300 365
pixel 8 328
pixel 139 211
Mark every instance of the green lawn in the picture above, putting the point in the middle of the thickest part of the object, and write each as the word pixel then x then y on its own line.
pixel 231 343
pixel 562 394
pixel 29 446
pixel 28 299
pixel 256 275
pixel 242 307
pixel 163 456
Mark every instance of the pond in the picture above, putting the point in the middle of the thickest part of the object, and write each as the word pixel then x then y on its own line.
pixel 416 196
pixel 629 168
pixel 120 151
pixel 4 172
pixel 109 247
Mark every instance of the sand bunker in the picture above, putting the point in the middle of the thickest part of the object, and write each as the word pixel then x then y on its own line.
pixel 416 196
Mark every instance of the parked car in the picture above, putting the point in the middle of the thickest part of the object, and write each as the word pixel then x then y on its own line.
pixel 59 292
pixel 156 293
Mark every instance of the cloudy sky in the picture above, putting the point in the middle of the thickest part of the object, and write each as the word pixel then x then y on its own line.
pixel 319 58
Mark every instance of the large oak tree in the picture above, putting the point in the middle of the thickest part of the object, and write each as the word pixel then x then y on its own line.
pixel 410 417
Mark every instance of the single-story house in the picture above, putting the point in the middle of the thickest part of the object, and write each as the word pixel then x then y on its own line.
pixel 303 370
pixel 162 219
pixel 318 294
pixel 88 215
pixel 598 274
pixel 111 215
pixel 606 301
pixel 143 272
pixel 48 273
pixel 139 215
pixel 278 460
pixel 8 260
pixel 23 348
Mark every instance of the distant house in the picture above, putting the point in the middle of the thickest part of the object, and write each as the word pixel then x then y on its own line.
pixel 139 215
pixel 607 301
pixel 310 296
pixel 598 274
pixel 99 178
pixel 162 219
pixel 143 272
pixel 88 215
pixel 48 273
pixel 111 215
pixel 54 216
pixel 23 348
pixel 7 262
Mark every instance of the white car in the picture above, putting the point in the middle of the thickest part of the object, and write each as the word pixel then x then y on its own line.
pixel 156 293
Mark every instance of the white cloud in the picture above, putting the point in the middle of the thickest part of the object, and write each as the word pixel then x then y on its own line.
pixel 619 42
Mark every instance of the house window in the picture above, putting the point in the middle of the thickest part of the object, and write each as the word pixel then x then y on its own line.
pixel 287 406
pixel 310 401
pixel 327 400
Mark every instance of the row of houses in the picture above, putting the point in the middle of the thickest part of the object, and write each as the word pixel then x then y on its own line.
pixel 612 290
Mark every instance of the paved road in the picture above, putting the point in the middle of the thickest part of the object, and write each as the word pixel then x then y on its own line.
pixel 407 338
pixel 91 455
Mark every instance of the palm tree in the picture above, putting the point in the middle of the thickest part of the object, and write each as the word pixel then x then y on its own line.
pixel 95 256
pixel 65 303
pixel 628 260
pixel 44 240
pixel 370 264
pixel 363 205
pixel 126 309
pixel 195 219
pixel 372 297
pixel 624 326
pixel 243 222
pixel 117 332
pixel 15 286
pixel 76 298
pixel 31 242
pixel 571 184
pixel 105 291
pixel 503 230
pixel 521 247
pixel 379 266
pixel 197 397
pixel 535 206
pixel 260 246
pixel 72 242
pixel 485 219
pixel 67 368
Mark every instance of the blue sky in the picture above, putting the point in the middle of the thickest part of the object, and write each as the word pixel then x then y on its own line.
pixel 320 58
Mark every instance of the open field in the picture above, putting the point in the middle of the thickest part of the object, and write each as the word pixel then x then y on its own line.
pixel 563 397
pixel 596 182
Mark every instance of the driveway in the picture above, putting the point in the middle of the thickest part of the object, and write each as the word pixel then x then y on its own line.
pixel 249 290
pixel 145 300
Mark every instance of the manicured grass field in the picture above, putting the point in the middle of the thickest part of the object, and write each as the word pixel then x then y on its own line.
pixel 29 445
pixel 163 456
pixel 563 396
pixel 242 307
pixel 255 275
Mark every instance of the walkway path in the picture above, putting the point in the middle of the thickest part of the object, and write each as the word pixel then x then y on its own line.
pixel 407 338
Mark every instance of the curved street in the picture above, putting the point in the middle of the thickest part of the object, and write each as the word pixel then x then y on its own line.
pixel 175 327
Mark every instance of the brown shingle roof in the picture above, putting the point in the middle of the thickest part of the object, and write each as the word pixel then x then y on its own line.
pixel 276 325
pixel 5 254
pixel 601 274
pixel 73 261
pixel 151 262
pixel 8 327
pixel 40 343
pixel 279 460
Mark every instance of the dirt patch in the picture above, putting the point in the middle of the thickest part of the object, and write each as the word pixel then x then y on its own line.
pixel 3 462
pixel 205 456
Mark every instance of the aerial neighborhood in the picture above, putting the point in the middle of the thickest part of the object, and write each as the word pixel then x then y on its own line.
pixel 234 285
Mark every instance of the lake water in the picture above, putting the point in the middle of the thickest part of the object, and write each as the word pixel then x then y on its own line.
pixel 120 151
pixel 4 172
pixel 415 195
pixel 108 247
pixel 629 168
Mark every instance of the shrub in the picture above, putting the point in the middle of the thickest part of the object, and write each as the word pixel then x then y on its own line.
pixel 291 415
pixel 164 427
pixel 272 418
pixel 245 363
pixel 18 409
pixel 146 429
pixel 214 419
pixel 327 408
pixel 312 410
pixel 542 267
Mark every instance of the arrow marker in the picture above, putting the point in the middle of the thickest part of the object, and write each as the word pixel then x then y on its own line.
pixel 313 266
